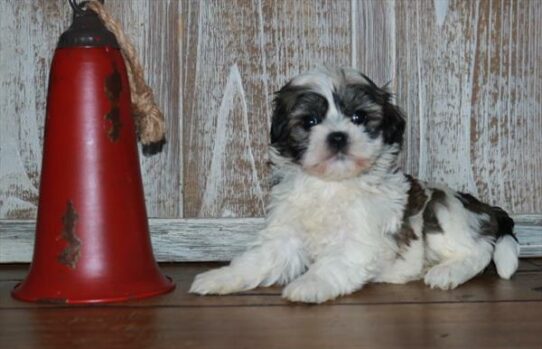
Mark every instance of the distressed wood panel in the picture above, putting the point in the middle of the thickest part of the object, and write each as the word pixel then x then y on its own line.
pixel 26 46
pixel 468 73
pixel 373 40
pixel 506 124
pixel 216 239
pixel 300 35
pixel 235 54
pixel 30 30
pixel 439 55
pixel 469 77
pixel 222 81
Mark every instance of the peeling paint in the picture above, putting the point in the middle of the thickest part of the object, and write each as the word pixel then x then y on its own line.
pixel 114 117
pixel 113 86
pixel 70 255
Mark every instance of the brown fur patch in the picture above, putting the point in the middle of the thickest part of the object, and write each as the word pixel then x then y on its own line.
pixel 430 220
pixel 488 226
pixel 415 203
pixel 416 198
pixel 405 235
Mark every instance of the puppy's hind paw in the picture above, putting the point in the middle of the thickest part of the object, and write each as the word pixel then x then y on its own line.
pixel 218 281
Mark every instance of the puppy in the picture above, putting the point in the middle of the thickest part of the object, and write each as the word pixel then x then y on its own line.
pixel 342 214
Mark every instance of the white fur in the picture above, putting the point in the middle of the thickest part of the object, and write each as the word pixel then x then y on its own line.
pixel 332 219
pixel 506 256
pixel 460 252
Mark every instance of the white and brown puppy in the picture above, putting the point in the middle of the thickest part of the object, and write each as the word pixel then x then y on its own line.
pixel 342 214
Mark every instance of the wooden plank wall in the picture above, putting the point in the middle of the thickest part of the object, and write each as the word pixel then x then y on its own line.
pixel 468 74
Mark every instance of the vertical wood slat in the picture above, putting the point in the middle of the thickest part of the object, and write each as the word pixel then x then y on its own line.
pixel 222 78
pixel 153 27
pixel 469 78
pixel 373 40
pixel 507 105
pixel 235 55
pixel 28 34
pixel 441 55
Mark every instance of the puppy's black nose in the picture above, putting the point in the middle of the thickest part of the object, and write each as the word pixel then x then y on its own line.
pixel 337 140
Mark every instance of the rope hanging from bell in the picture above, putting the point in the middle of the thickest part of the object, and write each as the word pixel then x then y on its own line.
pixel 148 118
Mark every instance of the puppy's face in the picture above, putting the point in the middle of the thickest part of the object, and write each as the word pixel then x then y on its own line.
pixel 335 124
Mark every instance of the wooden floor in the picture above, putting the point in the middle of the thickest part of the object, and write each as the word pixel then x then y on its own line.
pixel 484 313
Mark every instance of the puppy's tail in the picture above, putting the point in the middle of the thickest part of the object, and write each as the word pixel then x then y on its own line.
pixel 506 251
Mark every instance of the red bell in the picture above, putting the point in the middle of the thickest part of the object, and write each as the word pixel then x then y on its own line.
pixel 92 237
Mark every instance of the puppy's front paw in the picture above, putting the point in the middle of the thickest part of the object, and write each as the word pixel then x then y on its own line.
pixel 310 289
pixel 444 276
pixel 218 281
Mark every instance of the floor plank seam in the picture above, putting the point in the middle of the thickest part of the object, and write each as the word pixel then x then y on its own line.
pixel 102 307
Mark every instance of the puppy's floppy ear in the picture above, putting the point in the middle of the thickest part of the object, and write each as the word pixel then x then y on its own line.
pixel 279 120
pixel 284 101
pixel 393 124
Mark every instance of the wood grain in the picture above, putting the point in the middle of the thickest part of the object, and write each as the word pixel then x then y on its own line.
pixel 479 325
pixel 373 40
pixel 506 124
pixel 487 287
pixel 469 78
pixel 222 84
pixel 300 35
pixel 484 313
pixel 215 239
pixel 29 30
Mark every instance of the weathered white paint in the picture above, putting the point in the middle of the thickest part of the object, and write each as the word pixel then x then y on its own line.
pixel 373 37
pixel 182 240
pixel 221 176
pixel 441 10
pixel 471 90
pixel 354 35
pixel 28 38
pixel 14 177
pixel 507 105
pixel 234 85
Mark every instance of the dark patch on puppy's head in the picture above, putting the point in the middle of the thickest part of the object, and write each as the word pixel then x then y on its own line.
pixel 362 98
pixel 291 105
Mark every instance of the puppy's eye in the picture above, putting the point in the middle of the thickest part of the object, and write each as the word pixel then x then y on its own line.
pixel 359 117
pixel 310 121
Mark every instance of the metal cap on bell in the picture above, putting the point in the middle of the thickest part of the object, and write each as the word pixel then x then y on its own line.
pixel 92 237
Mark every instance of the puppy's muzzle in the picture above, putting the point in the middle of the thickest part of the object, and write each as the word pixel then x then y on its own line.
pixel 337 141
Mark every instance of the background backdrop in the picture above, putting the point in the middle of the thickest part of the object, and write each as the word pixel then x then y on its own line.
pixel 468 74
